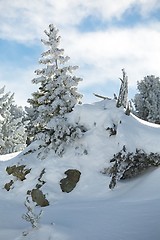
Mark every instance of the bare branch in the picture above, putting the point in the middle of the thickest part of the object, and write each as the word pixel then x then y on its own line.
pixel 100 96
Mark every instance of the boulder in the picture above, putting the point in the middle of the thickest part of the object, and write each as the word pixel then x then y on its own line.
pixel 69 183
pixel 38 197
pixel 7 186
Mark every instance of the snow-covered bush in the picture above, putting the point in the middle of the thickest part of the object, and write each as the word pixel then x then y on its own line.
pixel 12 130
pixel 127 165
pixel 147 101
pixel 56 96
pixel 31 215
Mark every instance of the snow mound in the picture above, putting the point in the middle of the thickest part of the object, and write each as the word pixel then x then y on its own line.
pixel 91 211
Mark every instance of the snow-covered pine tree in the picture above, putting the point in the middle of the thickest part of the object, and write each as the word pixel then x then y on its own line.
pixel 56 96
pixel 147 101
pixel 123 92
pixel 12 130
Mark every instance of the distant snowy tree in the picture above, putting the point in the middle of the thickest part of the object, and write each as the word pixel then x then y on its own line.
pixel 56 96
pixel 3 100
pixel 12 130
pixel 147 101
pixel 123 92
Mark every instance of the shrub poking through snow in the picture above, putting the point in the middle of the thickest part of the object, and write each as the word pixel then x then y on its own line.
pixel 128 165
pixel 35 198
pixel 41 182
pixel 31 216
pixel 112 130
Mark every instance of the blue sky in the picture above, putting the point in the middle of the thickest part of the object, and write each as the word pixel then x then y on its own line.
pixel 100 36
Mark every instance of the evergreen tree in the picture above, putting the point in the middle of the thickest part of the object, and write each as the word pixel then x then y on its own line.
pixel 12 131
pixel 147 101
pixel 3 100
pixel 56 96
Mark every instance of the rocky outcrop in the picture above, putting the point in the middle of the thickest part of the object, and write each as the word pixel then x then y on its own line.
pixel 18 171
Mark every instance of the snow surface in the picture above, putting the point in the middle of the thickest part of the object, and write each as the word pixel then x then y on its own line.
pixel 91 211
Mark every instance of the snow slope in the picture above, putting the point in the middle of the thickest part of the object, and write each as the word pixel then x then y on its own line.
pixel 91 211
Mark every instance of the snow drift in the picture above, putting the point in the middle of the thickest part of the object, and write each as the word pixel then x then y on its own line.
pixel 91 211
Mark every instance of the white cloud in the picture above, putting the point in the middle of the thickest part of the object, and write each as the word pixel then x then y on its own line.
pixel 147 6
pixel 25 20
pixel 136 49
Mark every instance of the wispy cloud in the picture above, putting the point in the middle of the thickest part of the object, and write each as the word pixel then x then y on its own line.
pixel 24 20
pixel 137 49
pixel 100 36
